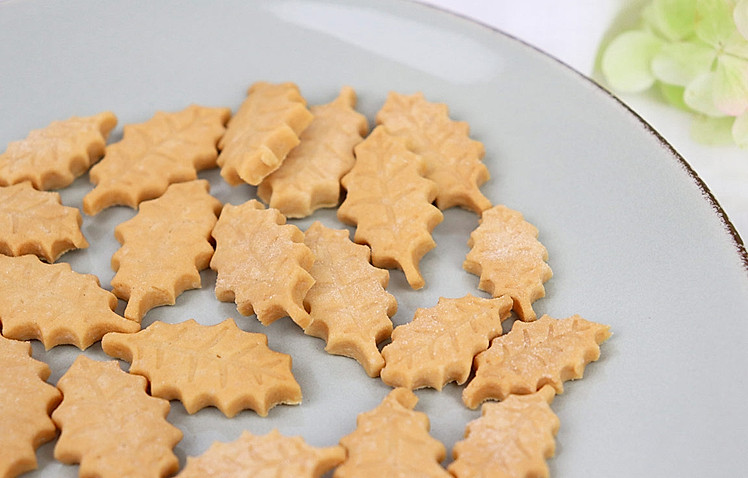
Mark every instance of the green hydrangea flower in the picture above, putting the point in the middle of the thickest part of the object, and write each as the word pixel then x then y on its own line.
pixel 696 53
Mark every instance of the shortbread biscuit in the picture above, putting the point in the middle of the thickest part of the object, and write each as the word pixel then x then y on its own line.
pixel 547 351
pixel 262 132
pixel 392 440
pixel 389 202
pixel 54 304
pixel 218 365
pixel 309 178
pixel 26 400
pixel 439 344
pixel 513 438
pixel 164 247
pixel 36 222
pixel 453 160
pixel 507 256
pixel 110 425
pixel 168 148
pixel 52 157
pixel 271 455
pixel 348 304
pixel 262 263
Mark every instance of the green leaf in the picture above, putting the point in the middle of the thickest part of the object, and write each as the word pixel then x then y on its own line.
pixel 714 22
pixel 731 86
pixel 680 63
pixel 713 131
pixel 740 130
pixel 673 19
pixel 626 61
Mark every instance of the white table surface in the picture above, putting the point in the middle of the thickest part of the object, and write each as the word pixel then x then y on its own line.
pixel 573 32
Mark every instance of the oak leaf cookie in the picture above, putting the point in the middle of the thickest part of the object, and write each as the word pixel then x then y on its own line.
pixel 348 304
pixel 389 202
pixel 262 263
pixel 512 438
pixel 309 177
pixel 392 440
pixel 261 133
pixel 54 304
pixel 164 247
pixel 271 455
pixel 52 157
pixel 110 425
pixel 201 365
pixel 453 160
pixel 26 400
pixel 439 344
pixel 36 222
pixel 507 256
pixel 168 148
pixel 547 351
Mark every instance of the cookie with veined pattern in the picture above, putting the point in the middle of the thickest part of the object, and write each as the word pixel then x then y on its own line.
pixel 56 305
pixel 309 177
pixel 52 157
pixel 218 365
pixel 262 132
pixel 36 222
pixel 26 401
pixel 271 455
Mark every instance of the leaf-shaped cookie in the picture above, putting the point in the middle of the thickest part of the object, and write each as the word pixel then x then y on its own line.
pixel 26 400
pixel 507 256
pixel 511 439
pixel 392 440
pixel 389 202
pixel 54 304
pixel 453 160
pixel 439 344
pixel 168 148
pixel 36 222
pixel 309 177
pixel 164 247
pixel 262 263
pixel 52 157
pixel 272 455
pixel 348 303
pixel 218 365
pixel 262 132
pixel 533 354
pixel 110 425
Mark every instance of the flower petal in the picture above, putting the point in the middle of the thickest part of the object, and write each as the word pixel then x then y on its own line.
pixel 714 22
pixel 699 95
pixel 680 63
pixel 740 130
pixel 740 16
pixel 626 61
pixel 712 131
pixel 673 95
pixel 731 85
pixel 673 19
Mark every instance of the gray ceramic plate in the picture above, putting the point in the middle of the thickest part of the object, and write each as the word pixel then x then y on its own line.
pixel 635 239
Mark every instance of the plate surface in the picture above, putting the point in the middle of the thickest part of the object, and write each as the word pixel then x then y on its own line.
pixel 634 239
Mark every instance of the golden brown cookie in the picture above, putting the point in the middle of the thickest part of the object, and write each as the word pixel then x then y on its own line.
pixel 262 263
pixel 218 365
pixel 262 132
pixel 168 148
pixel 348 303
pixel 52 157
pixel 309 177
pixel 439 344
pixel 392 440
pixel 507 256
pixel 389 202
pixel 26 400
pixel 54 304
pixel 110 425
pixel 164 247
pixel 513 438
pixel 533 354
pixel 271 455
pixel 36 222
pixel 453 160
